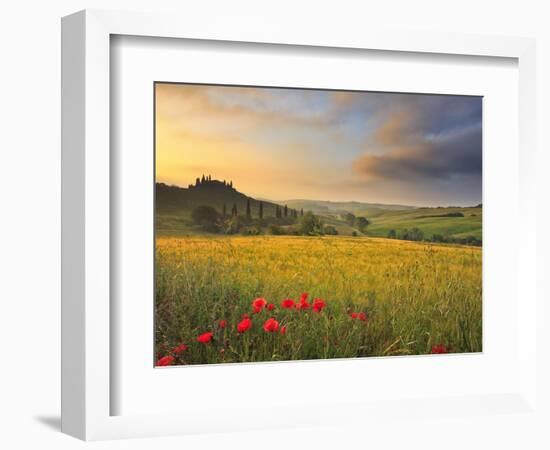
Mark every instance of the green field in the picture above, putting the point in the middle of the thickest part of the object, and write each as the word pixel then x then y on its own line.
pixel 414 297
pixel 459 227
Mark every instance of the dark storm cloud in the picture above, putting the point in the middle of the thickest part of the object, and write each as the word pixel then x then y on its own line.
pixel 424 137
pixel 439 158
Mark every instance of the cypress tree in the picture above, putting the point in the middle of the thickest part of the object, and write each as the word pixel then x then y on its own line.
pixel 248 212
pixel 235 209
pixel 261 210
pixel 203 179
pixel 286 211
pixel 302 212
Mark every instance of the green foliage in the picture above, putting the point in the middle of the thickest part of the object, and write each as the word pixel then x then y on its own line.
pixel 206 217
pixel 361 223
pixel 350 219
pixel 234 225
pixel 276 230
pixel 310 225
pixel 330 230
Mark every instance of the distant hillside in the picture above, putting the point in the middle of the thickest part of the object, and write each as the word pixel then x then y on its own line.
pixel 357 208
pixel 174 206
pixel 215 193
pixel 453 222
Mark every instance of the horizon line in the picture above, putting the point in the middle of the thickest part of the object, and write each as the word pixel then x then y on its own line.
pixel 260 198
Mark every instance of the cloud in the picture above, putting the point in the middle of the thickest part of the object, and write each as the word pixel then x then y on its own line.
pixel 370 146
pixel 431 138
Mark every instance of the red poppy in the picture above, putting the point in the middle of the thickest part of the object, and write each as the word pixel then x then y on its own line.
pixel 180 349
pixel 165 361
pixel 205 337
pixel 257 309
pixel 259 303
pixel 302 305
pixel 283 330
pixel 318 304
pixel 244 325
pixel 271 325
pixel 439 349
pixel 245 316
pixel 270 306
pixel 222 323
pixel 287 303
pixel 360 315
pixel 303 297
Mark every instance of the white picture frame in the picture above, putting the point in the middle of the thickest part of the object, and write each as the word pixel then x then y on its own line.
pixel 87 385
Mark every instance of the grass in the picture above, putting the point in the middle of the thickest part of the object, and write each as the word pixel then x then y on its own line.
pixel 459 227
pixel 416 295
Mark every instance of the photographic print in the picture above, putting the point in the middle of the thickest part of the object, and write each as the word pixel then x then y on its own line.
pixel 300 224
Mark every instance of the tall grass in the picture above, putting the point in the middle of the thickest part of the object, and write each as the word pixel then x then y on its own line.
pixel 415 295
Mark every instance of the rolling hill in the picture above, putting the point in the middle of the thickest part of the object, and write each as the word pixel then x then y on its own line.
pixel 174 206
pixel 431 221
pixel 358 208
pixel 212 193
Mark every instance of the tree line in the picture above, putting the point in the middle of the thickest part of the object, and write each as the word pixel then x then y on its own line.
pixel 233 221
pixel 416 234
pixel 286 221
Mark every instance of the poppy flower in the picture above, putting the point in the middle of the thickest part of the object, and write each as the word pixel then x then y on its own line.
pixel 244 325
pixel 165 361
pixel 271 325
pixel 360 315
pixel 180 349
pixel 318 304
pixel 303 297
pixel 257 309
pixel 302 305
pixel 259 303
pixel 439 349
pixel 205 337
pixel 222 323
pixel 283 330
pixel 245 316
pixel 287 303
pixel 270 306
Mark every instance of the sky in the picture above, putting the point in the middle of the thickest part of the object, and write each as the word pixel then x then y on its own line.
pixel 282 144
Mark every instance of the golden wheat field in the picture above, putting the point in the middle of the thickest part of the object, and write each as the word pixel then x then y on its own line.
pixel 222 299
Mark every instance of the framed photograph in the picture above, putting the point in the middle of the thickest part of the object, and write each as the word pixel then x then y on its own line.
pixel 312 242
pixel 278 213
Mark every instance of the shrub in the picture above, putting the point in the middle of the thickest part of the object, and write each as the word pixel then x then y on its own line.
pixel 207 217
pixel 330 230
